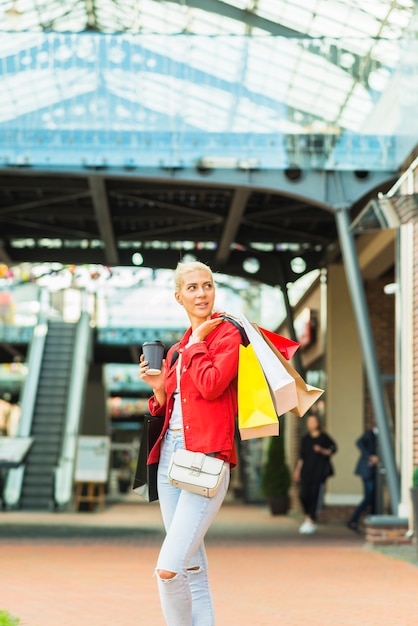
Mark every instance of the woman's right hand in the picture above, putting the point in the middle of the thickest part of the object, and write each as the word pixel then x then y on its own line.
pixel 201 332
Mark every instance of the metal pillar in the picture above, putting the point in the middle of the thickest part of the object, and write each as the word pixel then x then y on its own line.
pixel 355 285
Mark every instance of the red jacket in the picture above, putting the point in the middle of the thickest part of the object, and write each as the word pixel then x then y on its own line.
pixel 208 392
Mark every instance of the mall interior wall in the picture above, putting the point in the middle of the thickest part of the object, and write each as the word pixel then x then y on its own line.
pixel 344 388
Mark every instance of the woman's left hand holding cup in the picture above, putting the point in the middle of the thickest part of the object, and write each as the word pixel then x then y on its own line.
pixel 156 381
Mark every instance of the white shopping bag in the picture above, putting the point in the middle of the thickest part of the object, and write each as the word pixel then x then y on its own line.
pixel 281 383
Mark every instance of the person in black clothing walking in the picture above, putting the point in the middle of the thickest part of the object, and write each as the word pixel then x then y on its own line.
pixel 312 469
pixel 366 469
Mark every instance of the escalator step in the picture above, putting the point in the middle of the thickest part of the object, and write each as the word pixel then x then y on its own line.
pixel 34 485
pixel 47 439
pixel 54 413
pixel 40 472
pixel 44 444
pixel 36 503
pixel 42 458
pixel 48 425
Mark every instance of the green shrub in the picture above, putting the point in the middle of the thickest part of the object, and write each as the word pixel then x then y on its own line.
pixel 415 477
pixel 8 620
pixel 276 478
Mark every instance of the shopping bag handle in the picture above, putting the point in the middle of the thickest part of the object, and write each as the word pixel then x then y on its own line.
pixel 244 338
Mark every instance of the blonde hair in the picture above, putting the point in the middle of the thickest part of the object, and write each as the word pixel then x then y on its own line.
pixel 186 267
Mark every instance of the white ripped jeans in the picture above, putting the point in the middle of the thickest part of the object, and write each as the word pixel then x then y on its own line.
pixel 186 598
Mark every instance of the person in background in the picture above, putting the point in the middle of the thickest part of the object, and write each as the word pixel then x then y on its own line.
pixel 366 469
pixel 312 469
pixel 197 393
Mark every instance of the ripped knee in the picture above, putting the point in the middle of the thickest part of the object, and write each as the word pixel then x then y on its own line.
pixel 165 574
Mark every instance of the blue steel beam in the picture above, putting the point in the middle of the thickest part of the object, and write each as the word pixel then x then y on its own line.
pixel 355 285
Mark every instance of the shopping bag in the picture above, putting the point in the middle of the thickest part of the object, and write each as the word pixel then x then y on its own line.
pixel 306 394
pixel 145 481
pixel 256 412
pixel 281 383
pixel 287 347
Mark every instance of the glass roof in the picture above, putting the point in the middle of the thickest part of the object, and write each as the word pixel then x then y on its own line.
pixel 381 19
pixel 213 66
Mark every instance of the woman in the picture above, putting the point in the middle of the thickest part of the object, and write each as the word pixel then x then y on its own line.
pixel 312 470
pixel 197 393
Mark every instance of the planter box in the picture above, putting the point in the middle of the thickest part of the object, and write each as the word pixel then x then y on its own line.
pixel 386 530
pixel 279 505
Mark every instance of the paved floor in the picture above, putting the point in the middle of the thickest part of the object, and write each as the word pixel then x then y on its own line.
pixel 96 569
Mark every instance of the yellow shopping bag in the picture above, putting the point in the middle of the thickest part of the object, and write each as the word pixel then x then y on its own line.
pixel 256 413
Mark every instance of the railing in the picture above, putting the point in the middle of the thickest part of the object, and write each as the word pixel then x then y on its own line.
pixel 35 356
pixel 201 152
pixel 109 335
pixel 64 472
pixel 15 334
pixel 122 336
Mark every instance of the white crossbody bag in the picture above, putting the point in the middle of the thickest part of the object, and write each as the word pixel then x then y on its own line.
pixel 196 472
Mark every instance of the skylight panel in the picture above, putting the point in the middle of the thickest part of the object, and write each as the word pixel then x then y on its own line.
pixel 296 17
pixel 354 43
pixel 273 84
pixel 21 93
pixel 173 47
pixel 63 16
pixel 325 26
pixel 271 9
pixel 356 109
pixel 174 18
pixel 386 52
pixel 43 14
pixel 160 17
pixel 175 97
pixel 153 24
pixel 205 118
pixel 216 58
pixel 251 117
pixel 387 11
pixel 20 42
pixel 333 10
pixel 205 23
pixel 361 22
pixel 373 7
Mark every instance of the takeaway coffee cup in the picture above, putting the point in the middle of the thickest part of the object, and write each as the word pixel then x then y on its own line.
pixel 153 352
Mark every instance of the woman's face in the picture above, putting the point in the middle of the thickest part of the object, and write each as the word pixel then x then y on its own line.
pixel 197 294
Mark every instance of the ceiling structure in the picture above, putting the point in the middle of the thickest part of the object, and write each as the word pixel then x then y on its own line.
pixel 332 59
pixel 99 217
pixel 300 70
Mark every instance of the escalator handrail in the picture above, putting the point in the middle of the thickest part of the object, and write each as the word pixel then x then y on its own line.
pixel 14 482
pixel 64 472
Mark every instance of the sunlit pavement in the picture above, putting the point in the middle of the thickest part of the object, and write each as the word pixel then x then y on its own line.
pixel 96 569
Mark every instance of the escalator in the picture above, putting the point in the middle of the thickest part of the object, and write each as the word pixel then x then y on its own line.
pixel 49 417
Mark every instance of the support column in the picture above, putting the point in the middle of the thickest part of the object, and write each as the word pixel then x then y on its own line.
pixel 355 285
pixel 405 363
